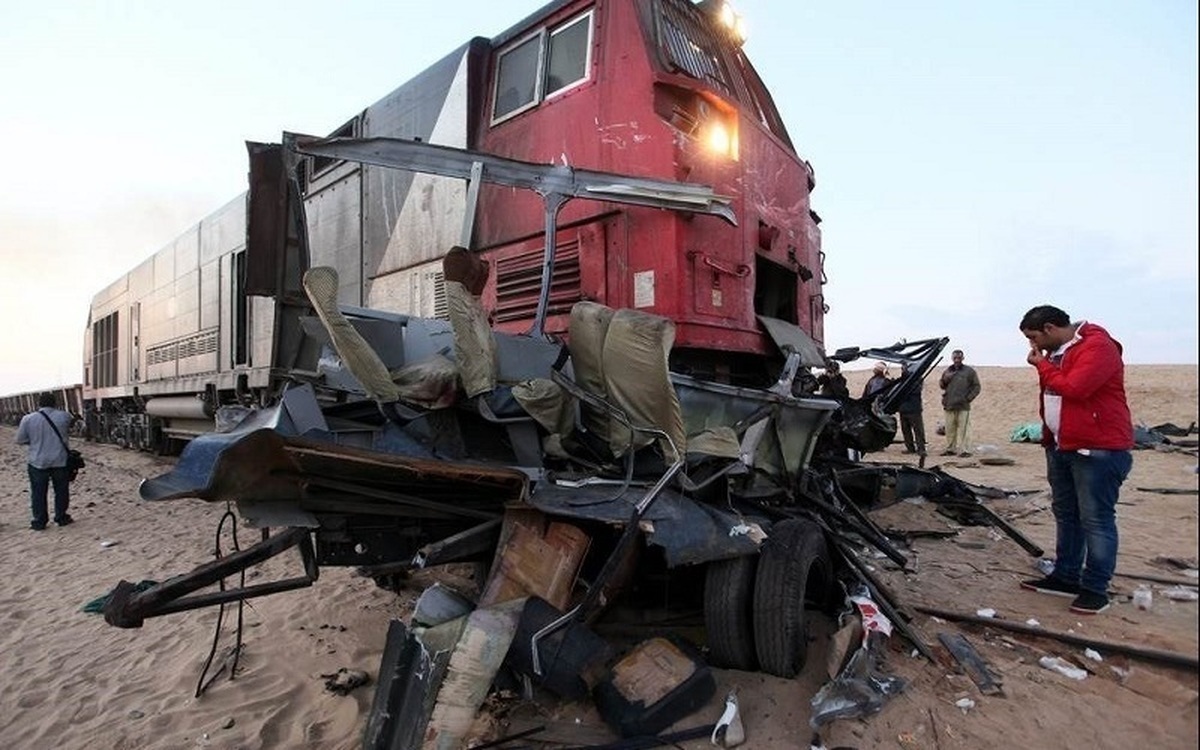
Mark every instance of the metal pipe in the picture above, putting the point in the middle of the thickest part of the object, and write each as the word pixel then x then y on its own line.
pixel 1170 658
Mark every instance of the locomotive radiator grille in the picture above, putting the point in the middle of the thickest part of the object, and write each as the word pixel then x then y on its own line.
pixel 519 280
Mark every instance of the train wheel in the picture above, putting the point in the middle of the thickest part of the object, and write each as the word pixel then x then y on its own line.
pixel 794 565
pixel 729 612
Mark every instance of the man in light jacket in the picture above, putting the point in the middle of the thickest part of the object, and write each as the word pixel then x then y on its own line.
pixel 960 386
pixel 1087 432
pixel 47 461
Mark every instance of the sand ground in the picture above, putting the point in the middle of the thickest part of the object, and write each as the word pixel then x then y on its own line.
pixel 68 680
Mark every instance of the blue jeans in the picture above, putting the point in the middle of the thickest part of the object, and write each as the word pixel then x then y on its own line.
pixel 39 485
pixel 1085 490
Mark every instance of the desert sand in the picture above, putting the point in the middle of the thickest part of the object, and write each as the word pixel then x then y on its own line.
pixel 68 680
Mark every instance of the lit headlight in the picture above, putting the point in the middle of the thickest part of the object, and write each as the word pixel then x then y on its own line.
pixel 733 22
pixel 719 136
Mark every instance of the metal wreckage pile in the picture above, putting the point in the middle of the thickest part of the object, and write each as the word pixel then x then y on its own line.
pixel 593 482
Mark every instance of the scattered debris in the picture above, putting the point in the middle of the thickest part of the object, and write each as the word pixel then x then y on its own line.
pixel 1181 594
pixel 860 689
pixel 1064 668
pixel 1092 654
pixel 344 680
pixel 1184 661
pixel 1187 565
pixel 729 731
pixel 971 662
pixel 659 682
pixel 1143 598
pixel 966 704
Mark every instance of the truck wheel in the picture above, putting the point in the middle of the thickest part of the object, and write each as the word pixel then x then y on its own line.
pixel 728 612
pixel 794 565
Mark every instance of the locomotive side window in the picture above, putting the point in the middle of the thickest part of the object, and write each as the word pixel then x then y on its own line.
pixel 517 77
pixel 541 65
pixel 570 45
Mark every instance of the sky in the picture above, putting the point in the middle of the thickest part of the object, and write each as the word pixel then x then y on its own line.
pixel 972 159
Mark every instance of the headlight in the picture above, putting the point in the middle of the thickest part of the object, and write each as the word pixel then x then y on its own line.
pixel 717 138
pixel 717 130
pixel 733 23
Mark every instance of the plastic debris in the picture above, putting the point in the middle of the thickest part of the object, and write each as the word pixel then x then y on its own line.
pixel 985 612
pixel 966 704
pixel 729 731
pixel 1033 623
pixel 1181 594
pixel 860 688
pixel 1093 655
pixel 1143 598
pixel 873 619
pixel 1045 566
pixel 1064 668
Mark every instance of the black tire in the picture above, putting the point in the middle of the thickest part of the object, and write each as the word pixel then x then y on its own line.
pixel 729 612
pixel 794 565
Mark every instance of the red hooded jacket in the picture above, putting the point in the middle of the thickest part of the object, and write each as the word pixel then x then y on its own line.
pixel 1091 381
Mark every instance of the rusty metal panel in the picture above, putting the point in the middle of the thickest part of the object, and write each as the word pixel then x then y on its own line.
pixel 267 228
pixel 533 562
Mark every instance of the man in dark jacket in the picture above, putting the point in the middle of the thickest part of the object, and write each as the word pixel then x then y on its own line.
pixel 912 421
pixel 1087 432
pixel 878 381
pixel 832 382
pixel 960 386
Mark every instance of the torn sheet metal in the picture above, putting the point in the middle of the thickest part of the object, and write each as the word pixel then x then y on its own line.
pixel 265 465
pixel 687 531
pixel 409 675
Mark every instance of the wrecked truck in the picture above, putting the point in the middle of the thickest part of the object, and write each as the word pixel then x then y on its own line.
pixel 588 477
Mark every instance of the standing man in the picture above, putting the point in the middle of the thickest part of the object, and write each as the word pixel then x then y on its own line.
pixel 960 386
pixel 47 460
pixel 912 421
pixel 832 382
pixel 1088 434
pixel 878 381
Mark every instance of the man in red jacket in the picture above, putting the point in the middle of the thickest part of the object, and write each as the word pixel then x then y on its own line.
pixel 1088 435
